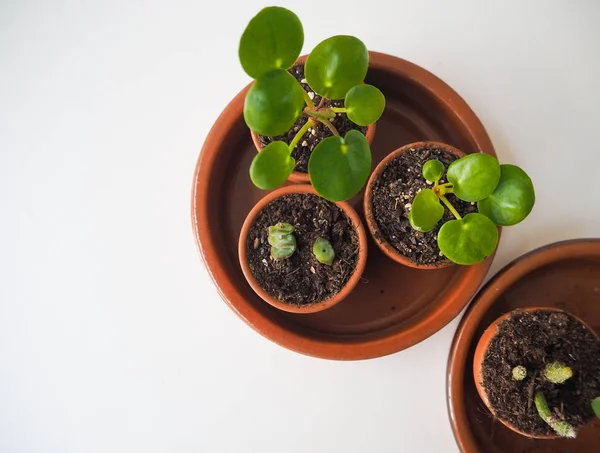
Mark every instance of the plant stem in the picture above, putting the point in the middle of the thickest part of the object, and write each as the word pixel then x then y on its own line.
pixel 339 109
pixel 448 184
pixel 307 99
pixel 322 102
pixel 330 126
pixel 449 189
pixel 561 428
pixel 300 133
pixel 450 207
pixel 319 113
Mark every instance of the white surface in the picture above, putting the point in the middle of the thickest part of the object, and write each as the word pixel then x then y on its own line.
pixel 112 337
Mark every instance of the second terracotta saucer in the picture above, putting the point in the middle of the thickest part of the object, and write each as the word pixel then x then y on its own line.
pixel 564 275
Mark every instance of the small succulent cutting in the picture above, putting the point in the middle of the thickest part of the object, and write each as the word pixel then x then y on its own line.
pixel 335 69
pixel 283 244
pixel 504 195
pixel 282 240
pixel 557 373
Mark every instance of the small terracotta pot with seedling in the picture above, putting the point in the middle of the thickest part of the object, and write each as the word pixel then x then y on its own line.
pixel 428 205
pixel 308 119
pixel 538 371
pixel 300 252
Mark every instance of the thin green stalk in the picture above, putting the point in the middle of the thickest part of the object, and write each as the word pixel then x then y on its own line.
pixel 300 133
pixel 561 427
pixel 339 109
pixel 450 207
pixel 308 100
pixel 323 113
pixel 331 127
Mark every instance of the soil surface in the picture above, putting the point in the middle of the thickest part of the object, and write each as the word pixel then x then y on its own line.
pixel 315 134
pixel 301 279
pixel 532 339
pixel 392 195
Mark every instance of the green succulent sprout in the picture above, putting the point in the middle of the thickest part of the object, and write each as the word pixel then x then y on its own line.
pixel 557 373
pixel 282 241
pixel 323 251
pixel 560 427
pixel 504 195
pixel 596 406
pixel 519 373
pixel 335 69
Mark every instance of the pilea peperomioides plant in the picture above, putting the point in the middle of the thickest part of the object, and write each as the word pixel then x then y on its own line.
pixel 504 195
pixel 336 68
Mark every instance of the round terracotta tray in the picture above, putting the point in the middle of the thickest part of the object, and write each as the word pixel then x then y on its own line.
pixel 394 307
pixel 565 275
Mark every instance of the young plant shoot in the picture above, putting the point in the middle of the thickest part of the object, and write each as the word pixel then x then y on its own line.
pixel 282 241
pixel 519 373
pixel 323 251
pixel 561 427
pixel 557 373
pixel 336 68
pixel 504 195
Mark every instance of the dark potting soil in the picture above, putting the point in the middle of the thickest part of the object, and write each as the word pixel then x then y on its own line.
pixel 315 134
pixel 392 195
pixel 301 279
pixel 532 339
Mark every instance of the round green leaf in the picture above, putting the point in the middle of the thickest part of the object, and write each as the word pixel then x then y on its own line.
pixel 336 65
pixel 426 211
pixel 596 406
pixel 474 176
pixel 468 241
pixel 273 103
pixel 433 170
pixel 364 104
pixel 339 167
pixel 272 40
pixel 272 166
pixel 512 200
pixel 323 251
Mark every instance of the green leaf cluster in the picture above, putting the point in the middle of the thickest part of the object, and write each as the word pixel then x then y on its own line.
pixel 504 195
pixel 335 69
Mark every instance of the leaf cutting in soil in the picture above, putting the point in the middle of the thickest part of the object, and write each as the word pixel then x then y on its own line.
pixel 504 195
pixel 335 70
pixel 548 360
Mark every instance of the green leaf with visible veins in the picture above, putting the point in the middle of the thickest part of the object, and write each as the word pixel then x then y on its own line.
pixel 513 198
pixel 468 241
pixel 272 40
pixel 273 103
pixel 272 166
pixel 335 65
pixel 474 176
pixel 426 211
pixel 339 167
pixel 364 104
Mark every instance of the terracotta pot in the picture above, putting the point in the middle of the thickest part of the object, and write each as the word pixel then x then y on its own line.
pixel 481 351
pixel 384 245
pixel 298 176
pixel 318 306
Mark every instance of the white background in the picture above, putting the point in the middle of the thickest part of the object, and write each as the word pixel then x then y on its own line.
pixel 112 337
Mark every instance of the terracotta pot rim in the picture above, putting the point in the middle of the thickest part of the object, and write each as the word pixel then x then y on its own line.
pixel 372 225
pixel 317 306
pixel 299 176
pixel 458 367
pixel 481 350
